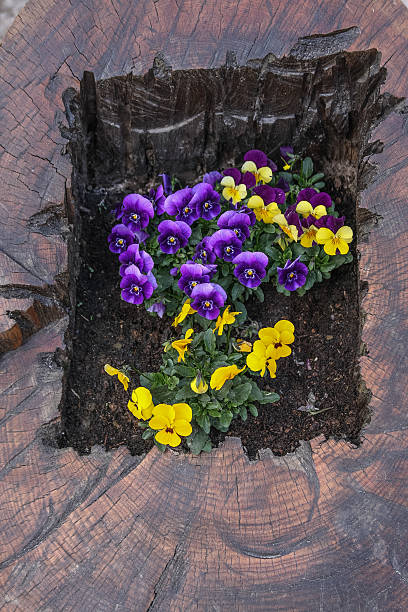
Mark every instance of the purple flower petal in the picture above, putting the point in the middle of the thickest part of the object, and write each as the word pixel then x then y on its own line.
pixel 235 173
pixel 120 238
pixel 284 152
pixel 321 199
pixel 306 194
pixel 270 194
pixel 258 157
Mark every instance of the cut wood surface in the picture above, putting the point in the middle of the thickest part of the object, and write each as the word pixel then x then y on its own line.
pixel 322 529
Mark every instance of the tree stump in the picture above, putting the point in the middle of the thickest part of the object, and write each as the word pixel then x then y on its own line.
pixel 322 528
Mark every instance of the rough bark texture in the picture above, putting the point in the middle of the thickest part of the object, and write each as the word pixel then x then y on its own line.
pixel 321 529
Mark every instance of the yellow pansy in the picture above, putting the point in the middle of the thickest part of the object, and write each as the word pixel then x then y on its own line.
pixel 141 405
pixel 185 310
pixel 172 422
pixel 226 319
pixel 114 372
pixel 305 209
pixel 263 213
pixel 290 230
pixel 182 344
pixel 198 385
pixel 244 346
pixel 308 236
pixel 221 375
pixel 340 240
pixel 261 359
pixel 278 337
pixel 233 192
pixel 262 175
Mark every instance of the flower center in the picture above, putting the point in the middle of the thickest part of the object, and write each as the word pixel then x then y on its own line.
pixel 250 273
pixel 135 289
pixel 134 217
pixel 238 232
pixel 292 275
pixel 207 205
pixel 193 284
pixel 120 242
pixel 187 210
pixel 169 430
pixel 203 253
pixel 208 304
pixel 171 240
pixel 229 250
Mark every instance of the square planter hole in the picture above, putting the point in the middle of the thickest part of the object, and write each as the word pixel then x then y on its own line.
pixel 126 130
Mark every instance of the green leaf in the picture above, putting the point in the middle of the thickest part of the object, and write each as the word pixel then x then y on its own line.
pixel 148 433
pixel 237 291
pixel 184 370
pixel 316 177
pixel 269 228
pixel 269 398
pixel 243 413
pixel 198 441
pixel 207 447
pixel 256 393
pixel 204 422
pixel 243 391
pixel 240 307
pixel 209 340
pixel 259 294
pixel 253 410
pixel 307 167
pixel 161 447
pixel 319 185
pixel 225 419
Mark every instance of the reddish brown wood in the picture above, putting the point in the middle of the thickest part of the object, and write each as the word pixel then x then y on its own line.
pixel 321 529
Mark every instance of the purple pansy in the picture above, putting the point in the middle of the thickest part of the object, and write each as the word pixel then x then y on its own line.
pixel 133 255
pixel 321 199
pixel 157 198
pixel 293 218
pixel 225 244
pixel 306 194
pixel 173 235
pixel 260 159
pixel 238 223
pixel 120 238
pixel 270 194
pixel 282 184
pixel 332 223
pixel 157 307
pixel 179 205
pixel 246 179
pixel 206 200
pixel 293 274
pixel 136 287
pixel 212 178
pixel 204 252
pixel 207 299
pixel 137 211
pixel 192 274
pixel 244 210
pixel 250 268
pixel 174 271
pixel 284 152
pixel 166 184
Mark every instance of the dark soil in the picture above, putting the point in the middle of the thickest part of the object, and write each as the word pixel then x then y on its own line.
pixel 322 369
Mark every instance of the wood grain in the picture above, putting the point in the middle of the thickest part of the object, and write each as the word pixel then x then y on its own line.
pixel 321 529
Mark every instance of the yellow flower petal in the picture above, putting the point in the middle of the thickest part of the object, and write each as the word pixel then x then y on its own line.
pixel 228 181
pixel 345 233
pixel 255 202
pixel 244 346
pixel 142 396
pixel 280 220
pixel 182 427
pixel 342 246
pixel 268 335
pixel 202 387
pixel 221 375
pixel 249 166
pixel 265 174
pixel 182 411
pixel 319 211
pixel 242 190
pixel 271 365
pixel 259 348
pixel 330 247
pixel 284 325
pixel 168 437
pixel 159 422
pixel 134 409
pixel 286 167
pixel 286 337
pixel 273 209
pixel 110 370
pixel 124 380
pixel 164 410
pixel 255 362
pixel 304 208
pixel 323 234
pixel 185 310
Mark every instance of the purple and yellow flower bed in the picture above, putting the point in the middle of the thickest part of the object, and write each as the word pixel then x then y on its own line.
pixel 199 254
